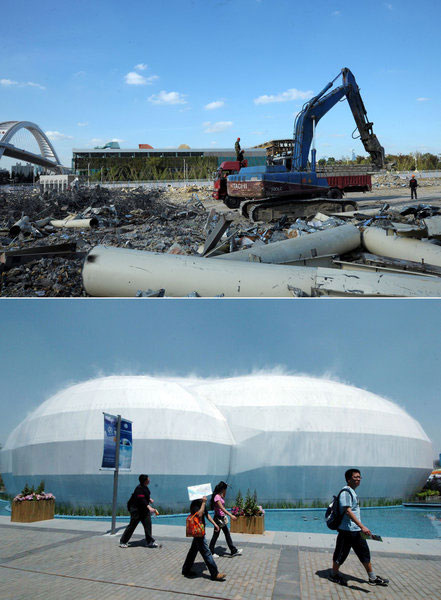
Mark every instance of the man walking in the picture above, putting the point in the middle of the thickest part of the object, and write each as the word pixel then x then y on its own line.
pixel 349 533
pixel 140 510
pixel 413 184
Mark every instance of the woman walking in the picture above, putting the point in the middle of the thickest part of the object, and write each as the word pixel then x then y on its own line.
pixel 221 519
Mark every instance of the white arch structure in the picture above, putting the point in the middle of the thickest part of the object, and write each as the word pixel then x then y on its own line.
pixel 48 157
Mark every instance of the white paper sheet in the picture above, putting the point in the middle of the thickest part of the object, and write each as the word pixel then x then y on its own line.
pixel 197 491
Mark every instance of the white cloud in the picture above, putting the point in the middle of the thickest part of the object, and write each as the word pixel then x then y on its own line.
pixel 214 105
pixel 37 85
pixel 291 94
pixel 422 99
pixel 133 78
pixel 117 140
pixel 10 82
pixel 388 6
pixel 216 127
pixel 336 13
pixel 151 79
pixel 167 98
pixel 140 67
pixel 83 124
pixel 56 136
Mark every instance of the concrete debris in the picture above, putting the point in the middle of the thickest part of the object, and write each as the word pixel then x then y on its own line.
pixel 156 220
pixel 393 180
pixel 45 237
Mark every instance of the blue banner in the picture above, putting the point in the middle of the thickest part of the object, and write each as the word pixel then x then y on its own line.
pixel 125 443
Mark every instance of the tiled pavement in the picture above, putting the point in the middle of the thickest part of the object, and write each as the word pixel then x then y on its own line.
pixel 77 560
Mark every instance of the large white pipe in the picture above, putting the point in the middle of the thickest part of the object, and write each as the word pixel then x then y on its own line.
pixel 385 243
pixel 122 272
pixel 75 223
pixel 338 240
pixel 114 272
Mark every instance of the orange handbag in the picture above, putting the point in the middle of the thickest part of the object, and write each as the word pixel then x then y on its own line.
pixel 195 526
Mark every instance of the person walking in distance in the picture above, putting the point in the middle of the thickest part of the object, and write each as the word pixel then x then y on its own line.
pixel 413 184
pixel 196 529
pixel 350 533
pixel 140 512
pixel 221 519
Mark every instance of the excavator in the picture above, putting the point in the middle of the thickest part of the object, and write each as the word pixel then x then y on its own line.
pixel 290 187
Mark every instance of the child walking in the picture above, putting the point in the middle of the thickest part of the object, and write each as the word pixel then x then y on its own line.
pixel 220 518
pixel 196 529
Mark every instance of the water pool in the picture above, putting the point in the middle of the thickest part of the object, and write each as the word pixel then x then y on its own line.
pixel 395 521
pixel 388 521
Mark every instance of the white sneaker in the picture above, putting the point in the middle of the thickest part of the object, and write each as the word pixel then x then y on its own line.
pixel 215 555
pixel 153 545
pixel 123 545
pixel 237 553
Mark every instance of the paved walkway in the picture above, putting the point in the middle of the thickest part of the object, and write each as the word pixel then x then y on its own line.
pixel 72 560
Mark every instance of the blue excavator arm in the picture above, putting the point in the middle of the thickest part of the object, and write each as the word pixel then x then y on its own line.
pixel 313 111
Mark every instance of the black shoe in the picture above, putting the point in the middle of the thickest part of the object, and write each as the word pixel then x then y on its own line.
pixel 189 573
pixel 379 581
pixel 337 579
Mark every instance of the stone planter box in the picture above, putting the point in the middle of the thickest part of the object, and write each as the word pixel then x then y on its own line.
pixel 29 511
pixel 248 525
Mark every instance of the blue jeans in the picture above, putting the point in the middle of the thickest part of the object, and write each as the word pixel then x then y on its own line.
pixel 199 544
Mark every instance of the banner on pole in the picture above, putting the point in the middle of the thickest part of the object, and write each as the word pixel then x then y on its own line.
pixel 125 444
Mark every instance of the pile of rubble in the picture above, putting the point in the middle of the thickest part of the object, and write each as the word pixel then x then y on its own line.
pixel 393 180
pixel 45 227
pixel 180 242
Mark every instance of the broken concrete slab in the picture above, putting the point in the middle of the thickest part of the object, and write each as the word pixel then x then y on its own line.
pixel 433 225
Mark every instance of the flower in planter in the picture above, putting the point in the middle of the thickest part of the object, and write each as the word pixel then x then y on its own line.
pixel 247 507
pixel 28 494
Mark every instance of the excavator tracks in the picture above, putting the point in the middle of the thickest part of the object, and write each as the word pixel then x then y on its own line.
pixel 273 209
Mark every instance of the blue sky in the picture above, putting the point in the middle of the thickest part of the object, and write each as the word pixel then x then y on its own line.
pixel 203 72
pixel 389 347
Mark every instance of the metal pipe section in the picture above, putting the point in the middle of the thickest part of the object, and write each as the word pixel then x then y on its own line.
pixel 119 272
pixel 338 240
pixel 76 223
pixel 385 243
pixel 23 226
pixel 122 272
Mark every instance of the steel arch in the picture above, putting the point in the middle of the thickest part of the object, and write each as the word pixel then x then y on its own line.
pixel 9 128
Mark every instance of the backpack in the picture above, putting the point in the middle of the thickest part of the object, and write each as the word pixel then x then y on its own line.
pixel 195 526
pixel 333 517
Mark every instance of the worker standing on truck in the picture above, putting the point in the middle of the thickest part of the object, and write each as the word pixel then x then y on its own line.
pixel 413 184
pixel 239 152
